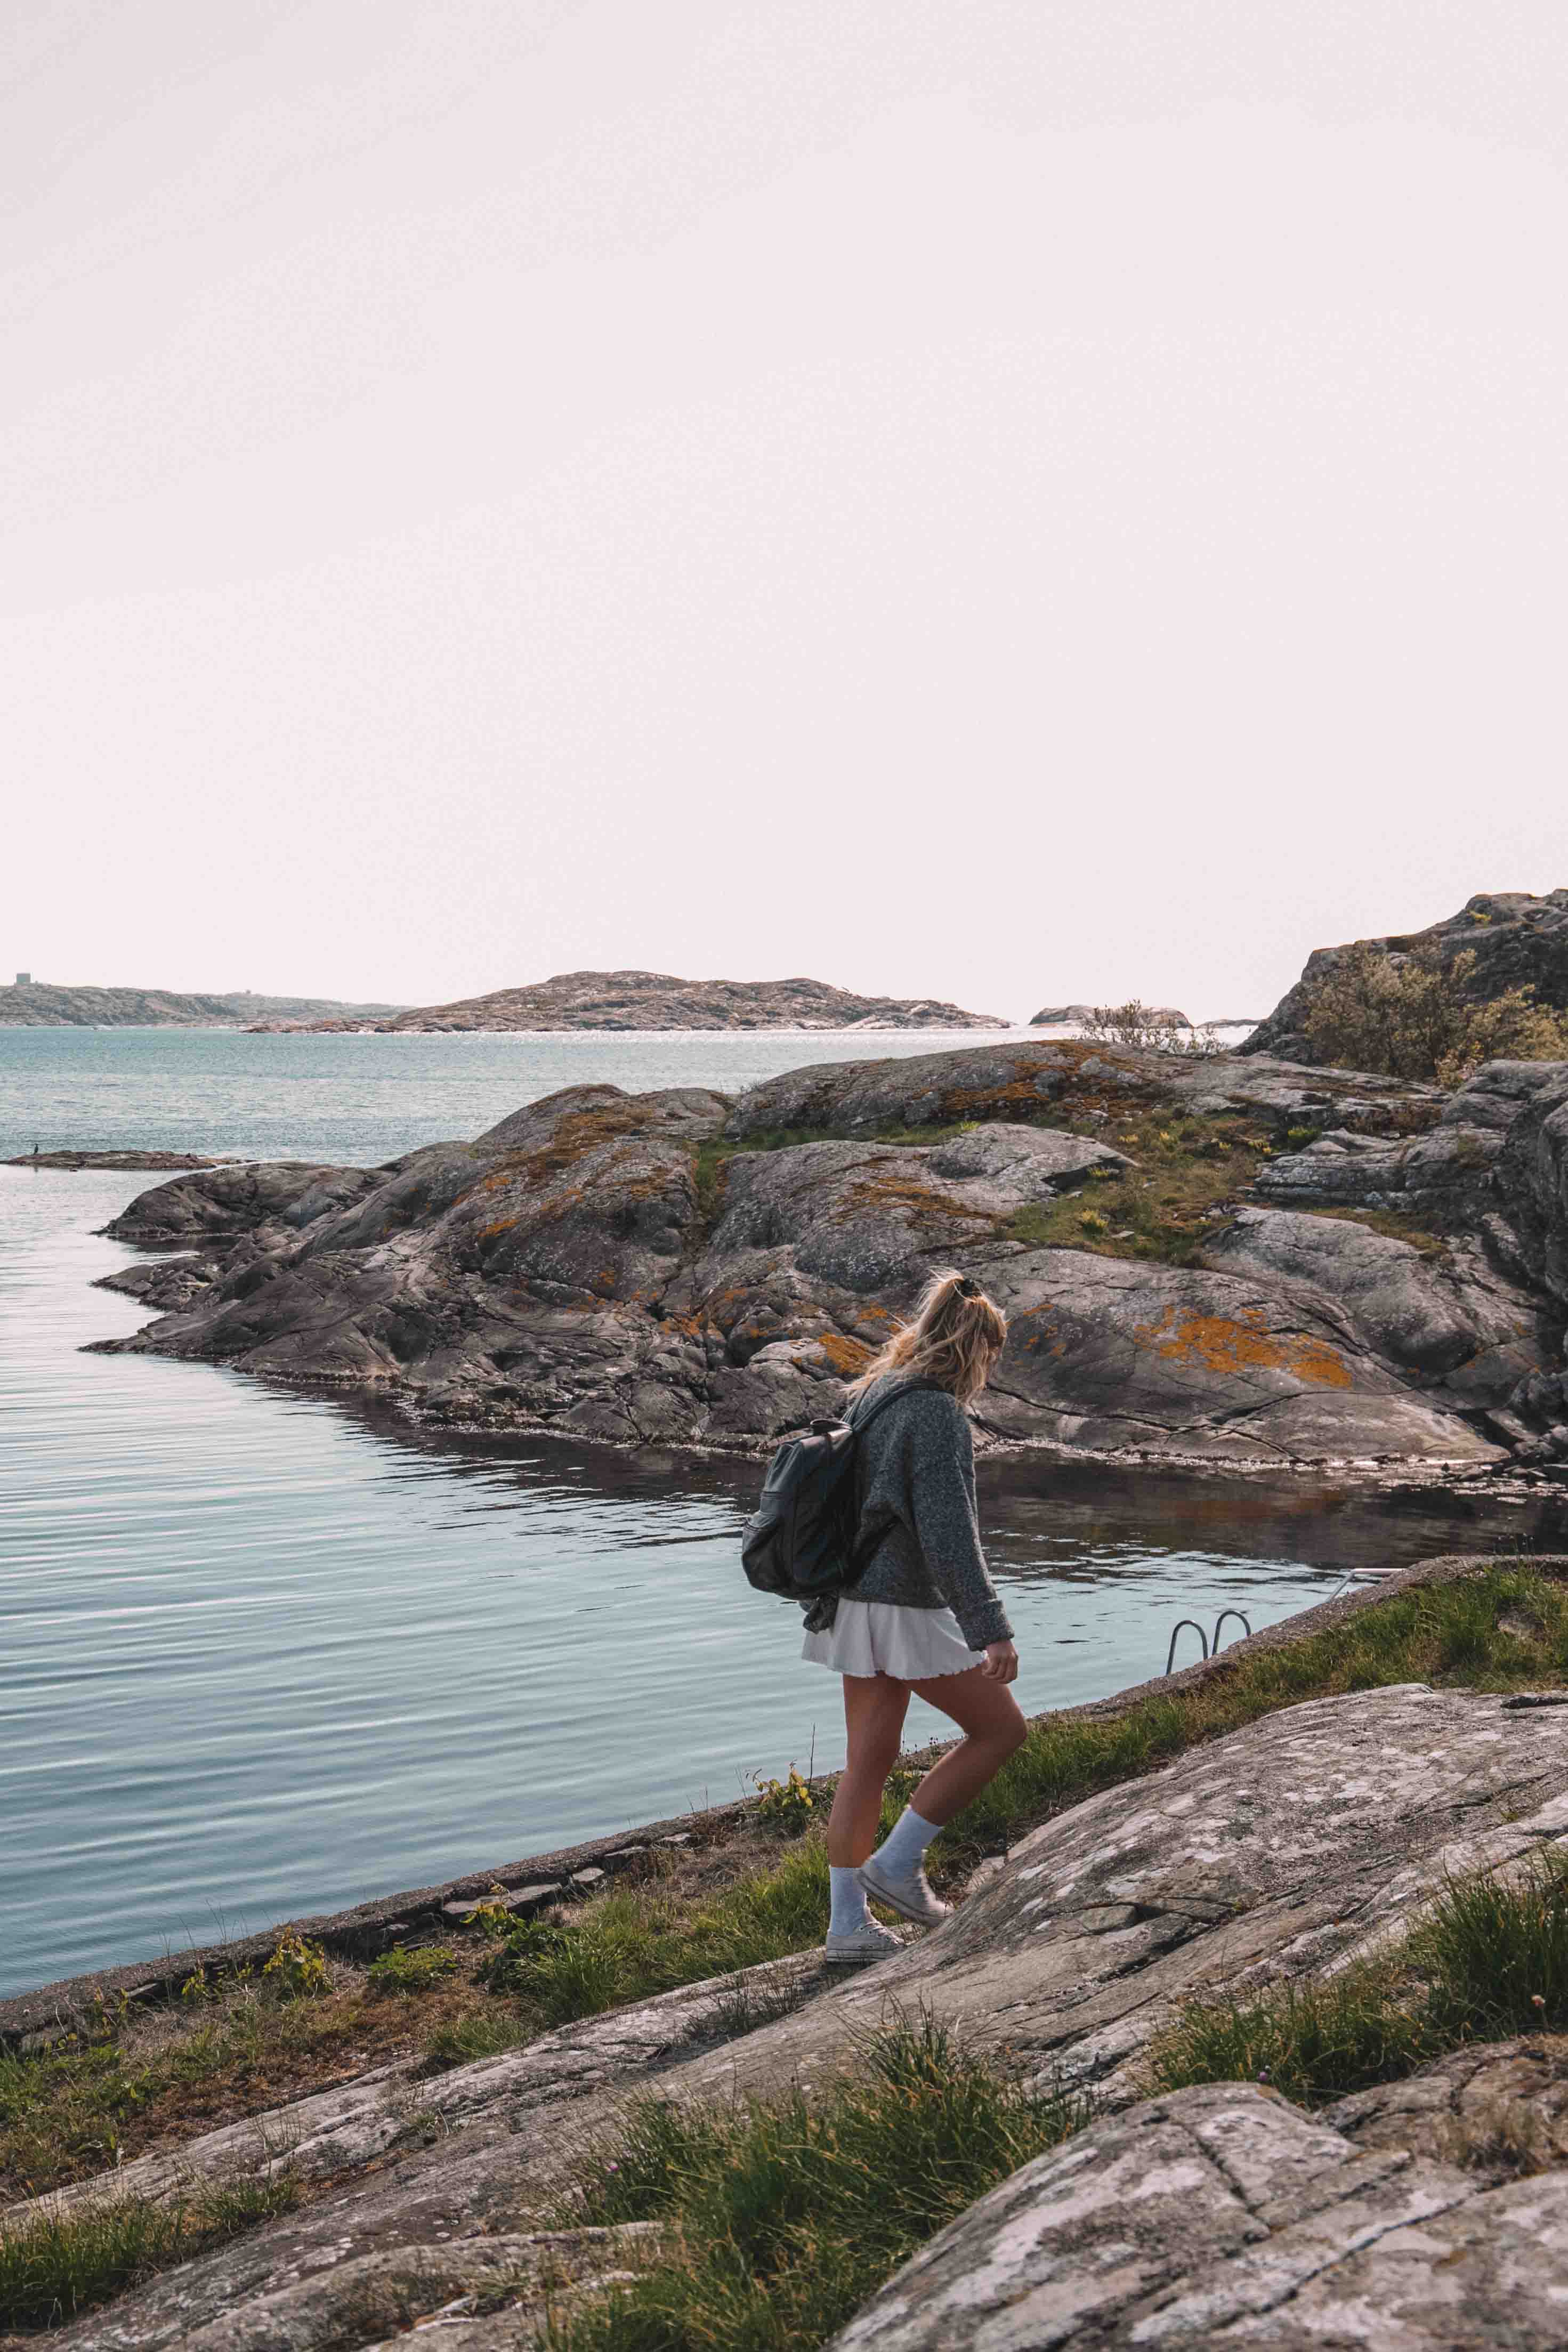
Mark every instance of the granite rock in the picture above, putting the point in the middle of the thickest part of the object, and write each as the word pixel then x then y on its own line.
pixel 657 1268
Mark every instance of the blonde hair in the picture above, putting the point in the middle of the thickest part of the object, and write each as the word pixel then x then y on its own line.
pixel 956 1335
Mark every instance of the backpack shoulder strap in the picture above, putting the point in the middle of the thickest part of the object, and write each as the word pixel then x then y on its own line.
pixel 910 1388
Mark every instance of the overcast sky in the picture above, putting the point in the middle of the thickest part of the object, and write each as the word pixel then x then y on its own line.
pixel 1008 499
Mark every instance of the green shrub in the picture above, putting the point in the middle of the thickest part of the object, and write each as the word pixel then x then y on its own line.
pixel 784 1804
pixel 491 1917
pixel 402 1971
pixel 296 1971
pixel 1409 1016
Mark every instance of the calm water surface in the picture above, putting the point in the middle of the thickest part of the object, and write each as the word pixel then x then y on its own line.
pixel 262 1654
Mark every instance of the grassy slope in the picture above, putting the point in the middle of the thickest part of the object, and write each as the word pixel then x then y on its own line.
pixel 65 2113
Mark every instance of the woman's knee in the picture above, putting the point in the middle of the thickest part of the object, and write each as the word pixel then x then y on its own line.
pixel 873 1751
pixel 1008 1733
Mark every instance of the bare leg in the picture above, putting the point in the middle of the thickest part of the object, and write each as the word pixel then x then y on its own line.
pixel 994 1727
pixel 874 1710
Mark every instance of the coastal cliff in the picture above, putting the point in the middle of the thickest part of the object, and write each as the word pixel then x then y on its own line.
pixel 657 1000
pixel 1224 1261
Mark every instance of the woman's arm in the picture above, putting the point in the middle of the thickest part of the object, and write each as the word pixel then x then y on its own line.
pixel 947 1527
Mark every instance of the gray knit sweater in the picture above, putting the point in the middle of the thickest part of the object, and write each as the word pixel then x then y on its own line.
pixel 916 1470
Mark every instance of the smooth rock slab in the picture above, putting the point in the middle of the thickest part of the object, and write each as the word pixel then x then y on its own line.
pixel 1222 2215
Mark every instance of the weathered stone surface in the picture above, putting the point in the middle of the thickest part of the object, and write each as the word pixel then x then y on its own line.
pixel 612 1266
pixel 354 2122
pixel 1498 2108
pixel 1315 1834
pixel 167 1284
pixel 1312 1836
pixel 1446 1172
pixel 1518 941
pixel 1028 1079
pixel 1449 1319
pixel 1106 1353
pixel 242 1197
pixel 1223 2216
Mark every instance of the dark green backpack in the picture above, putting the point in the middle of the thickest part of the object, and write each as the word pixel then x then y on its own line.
pixel 802 1539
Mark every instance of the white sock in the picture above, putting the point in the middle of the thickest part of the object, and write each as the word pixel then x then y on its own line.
pixel 849 1910
pixel 901 1850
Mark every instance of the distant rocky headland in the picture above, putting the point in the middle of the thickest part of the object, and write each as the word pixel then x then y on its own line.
pixel 657 1000
pixel 44 1005
pixel 1229 1261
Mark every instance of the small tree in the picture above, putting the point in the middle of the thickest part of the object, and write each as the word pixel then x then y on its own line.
pixel 1407 1017
pixel 1137 1023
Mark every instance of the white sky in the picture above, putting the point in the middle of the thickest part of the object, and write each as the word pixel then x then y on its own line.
pixel 1011 498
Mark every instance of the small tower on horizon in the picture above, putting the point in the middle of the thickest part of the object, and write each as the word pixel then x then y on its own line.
pixel 24 980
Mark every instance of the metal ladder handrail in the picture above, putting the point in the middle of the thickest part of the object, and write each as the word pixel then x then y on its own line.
pixel 1197 1629
pixel 1219 1620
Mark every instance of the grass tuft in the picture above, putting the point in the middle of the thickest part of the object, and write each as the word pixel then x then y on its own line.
pixel 57 2265
pixel 462 2040
pixel 1489 1961
pixel 639 1941
pixel 780 2219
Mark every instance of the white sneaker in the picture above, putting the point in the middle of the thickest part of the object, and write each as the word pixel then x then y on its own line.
pixel 861 1947
pixel 911 1898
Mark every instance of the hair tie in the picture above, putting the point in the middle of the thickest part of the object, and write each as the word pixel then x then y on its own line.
pixel 965 1288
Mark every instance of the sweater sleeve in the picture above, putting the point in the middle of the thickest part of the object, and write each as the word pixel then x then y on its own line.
pixel 947 1524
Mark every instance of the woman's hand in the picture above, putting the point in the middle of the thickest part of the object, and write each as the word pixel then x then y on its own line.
pixel 1001 1662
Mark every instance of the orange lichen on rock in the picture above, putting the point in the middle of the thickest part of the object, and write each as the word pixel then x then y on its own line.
pixel 918 1200
pixel 847 1356
pixel 1243 1343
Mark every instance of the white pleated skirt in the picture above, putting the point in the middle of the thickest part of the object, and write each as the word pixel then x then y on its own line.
pixel 883 1637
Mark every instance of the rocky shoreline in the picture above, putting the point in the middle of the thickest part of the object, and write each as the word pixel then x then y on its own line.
pixel 1226 1261
pixel 31 2019
pixel 1275 1860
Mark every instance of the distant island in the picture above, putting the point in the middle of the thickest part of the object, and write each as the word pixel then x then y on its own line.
pixel 1061 1016
pixel 657 1000
pixel 46 1005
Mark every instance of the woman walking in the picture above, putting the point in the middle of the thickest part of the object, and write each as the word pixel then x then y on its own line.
pixel 923 1616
